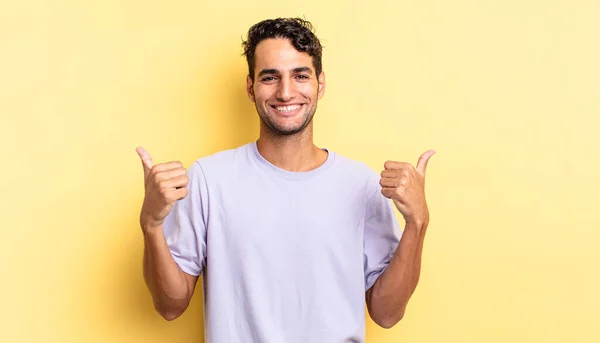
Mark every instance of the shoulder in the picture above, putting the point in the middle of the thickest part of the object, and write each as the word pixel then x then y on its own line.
pixel 223 158
pixel 218 163
pixel 355 166
pixel 358 172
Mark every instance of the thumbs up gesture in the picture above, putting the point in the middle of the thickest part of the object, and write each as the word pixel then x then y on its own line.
pixel 405 185
pixel 165 183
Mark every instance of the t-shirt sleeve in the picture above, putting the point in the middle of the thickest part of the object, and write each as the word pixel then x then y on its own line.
pixel 381 233
pixel 185 226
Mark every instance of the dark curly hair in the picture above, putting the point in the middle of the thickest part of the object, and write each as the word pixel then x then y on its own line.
pixel 297 30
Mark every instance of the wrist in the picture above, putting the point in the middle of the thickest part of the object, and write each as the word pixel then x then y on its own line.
pixel 149 227
pixel 153 235
pixel 417 225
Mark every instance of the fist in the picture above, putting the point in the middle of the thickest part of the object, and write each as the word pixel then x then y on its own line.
pixel 405 185
pixel 164 184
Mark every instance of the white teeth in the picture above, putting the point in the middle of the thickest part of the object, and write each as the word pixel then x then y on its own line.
pixel 290 108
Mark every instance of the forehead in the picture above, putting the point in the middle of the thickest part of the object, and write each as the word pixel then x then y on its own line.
pixel 279 53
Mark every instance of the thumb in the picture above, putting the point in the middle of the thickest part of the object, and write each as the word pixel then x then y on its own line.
pixel 146 161
pixel 422 163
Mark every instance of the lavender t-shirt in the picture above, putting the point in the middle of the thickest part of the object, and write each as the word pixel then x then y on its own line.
pixel 286 257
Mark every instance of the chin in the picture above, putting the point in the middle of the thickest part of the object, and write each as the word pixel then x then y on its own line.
pixel 284 130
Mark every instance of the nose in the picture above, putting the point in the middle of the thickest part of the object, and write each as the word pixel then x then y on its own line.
pixel 284 90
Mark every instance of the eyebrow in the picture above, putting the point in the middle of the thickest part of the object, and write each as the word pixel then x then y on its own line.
pixel 302 70
pixel 276 72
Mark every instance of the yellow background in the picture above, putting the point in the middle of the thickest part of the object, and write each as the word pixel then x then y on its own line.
pixel 507 92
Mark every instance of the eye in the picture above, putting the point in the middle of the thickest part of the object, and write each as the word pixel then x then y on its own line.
pixel 302 77
pixel 268 79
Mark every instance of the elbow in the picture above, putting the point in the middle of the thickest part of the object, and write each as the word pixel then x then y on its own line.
pixel 169 316
pixel 389 322
pixel 382 312
pixel 169 313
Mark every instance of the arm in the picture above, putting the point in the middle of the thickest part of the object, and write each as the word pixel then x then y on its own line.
pixel 388 297
pixel 166 189
pixel 405 185
pixel 171 288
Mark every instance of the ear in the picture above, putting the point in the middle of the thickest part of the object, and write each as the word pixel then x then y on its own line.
pixel 321 81
pixel 249 87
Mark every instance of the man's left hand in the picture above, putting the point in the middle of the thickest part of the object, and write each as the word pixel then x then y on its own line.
pixel 405 185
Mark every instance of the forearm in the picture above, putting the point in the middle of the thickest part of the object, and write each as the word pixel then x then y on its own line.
pixel 394 287
pixel 164 278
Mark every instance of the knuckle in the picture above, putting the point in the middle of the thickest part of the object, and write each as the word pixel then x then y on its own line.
pixel 158 177
pixel 163 191
pixel 168 197
pixel 399 191
pixel 153 180
pixel 392 165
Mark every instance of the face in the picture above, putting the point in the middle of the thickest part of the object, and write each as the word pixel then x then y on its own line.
pixel 286 88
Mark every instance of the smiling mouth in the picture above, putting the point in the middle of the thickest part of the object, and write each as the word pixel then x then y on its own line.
pixel 287 110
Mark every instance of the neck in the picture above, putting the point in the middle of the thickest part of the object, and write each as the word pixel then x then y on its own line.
pixel 296 153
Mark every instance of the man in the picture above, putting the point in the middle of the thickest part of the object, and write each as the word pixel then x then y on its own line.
pixel 290 239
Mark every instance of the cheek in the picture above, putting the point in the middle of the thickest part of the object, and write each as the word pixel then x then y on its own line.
pixel 309 90
pixel 261 93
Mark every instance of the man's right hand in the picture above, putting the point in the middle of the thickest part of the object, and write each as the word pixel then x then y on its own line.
pixel 165 183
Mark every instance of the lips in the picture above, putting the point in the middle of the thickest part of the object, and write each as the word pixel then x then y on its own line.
pixel 287 110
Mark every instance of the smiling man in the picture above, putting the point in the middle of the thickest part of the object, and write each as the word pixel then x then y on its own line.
pixel 292 240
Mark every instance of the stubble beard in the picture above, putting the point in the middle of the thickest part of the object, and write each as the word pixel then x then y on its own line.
pixel 281 131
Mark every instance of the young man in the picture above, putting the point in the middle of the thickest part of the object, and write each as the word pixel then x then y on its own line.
pixel 291 239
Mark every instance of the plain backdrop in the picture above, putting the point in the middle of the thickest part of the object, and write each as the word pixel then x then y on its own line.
pixel 507 92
